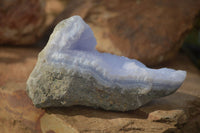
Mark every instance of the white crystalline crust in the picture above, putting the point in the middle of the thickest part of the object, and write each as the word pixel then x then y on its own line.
pixel 72 44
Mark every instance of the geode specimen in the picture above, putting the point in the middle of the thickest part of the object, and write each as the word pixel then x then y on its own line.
pixel 69 71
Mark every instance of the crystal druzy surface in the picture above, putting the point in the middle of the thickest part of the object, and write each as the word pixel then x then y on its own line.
pixel 70 71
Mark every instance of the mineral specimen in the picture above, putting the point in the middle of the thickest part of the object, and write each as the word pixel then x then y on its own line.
pixel 69 71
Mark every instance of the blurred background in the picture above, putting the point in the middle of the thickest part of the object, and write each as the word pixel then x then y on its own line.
pixel 159 33
pixel 151 31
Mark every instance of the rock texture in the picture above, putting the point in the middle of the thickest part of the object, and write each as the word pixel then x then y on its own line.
pixel 70 72
pixel 18 114
pixel 151 31
pixel 21 21
pixel 168 116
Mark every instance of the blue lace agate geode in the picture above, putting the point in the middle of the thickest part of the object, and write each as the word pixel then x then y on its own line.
pixel 69 71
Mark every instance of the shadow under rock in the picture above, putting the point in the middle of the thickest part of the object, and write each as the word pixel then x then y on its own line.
pixel 97 113
pixel 174 102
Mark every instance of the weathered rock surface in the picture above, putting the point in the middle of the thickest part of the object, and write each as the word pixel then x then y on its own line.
pixel 70 72
pixel 167 116
pixel 18 115
pixel 151 31
pixel 21 21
